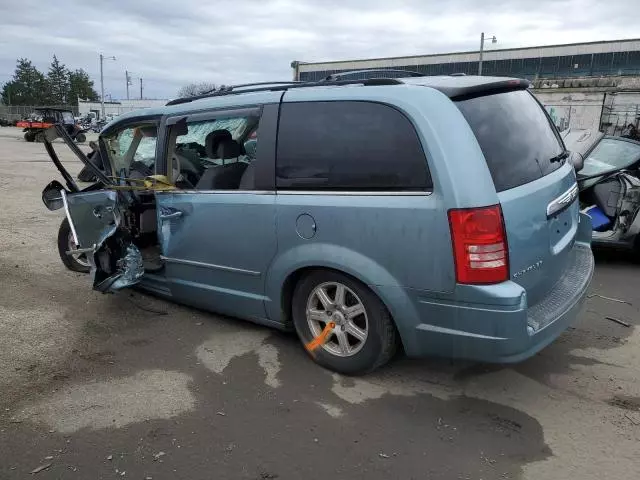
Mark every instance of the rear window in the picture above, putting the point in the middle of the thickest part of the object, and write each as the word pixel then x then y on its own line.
pixel 515 135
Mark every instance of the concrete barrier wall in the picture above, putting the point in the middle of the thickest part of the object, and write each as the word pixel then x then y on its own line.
pixel 609 112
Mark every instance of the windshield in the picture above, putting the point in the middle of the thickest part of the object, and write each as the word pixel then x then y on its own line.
pixel 132 148
pixel 610 155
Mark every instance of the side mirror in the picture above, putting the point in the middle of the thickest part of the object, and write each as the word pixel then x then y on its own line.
pixel 576 160
pixel 51 196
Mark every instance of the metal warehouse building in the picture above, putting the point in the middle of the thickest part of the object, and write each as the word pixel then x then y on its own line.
pixel 617 58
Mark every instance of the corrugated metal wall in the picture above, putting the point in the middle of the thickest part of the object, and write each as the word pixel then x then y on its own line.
pixel 595 64
pixel 609 58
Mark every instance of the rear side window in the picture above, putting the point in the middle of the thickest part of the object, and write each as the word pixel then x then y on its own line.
pixel 515 135
pixel 359 146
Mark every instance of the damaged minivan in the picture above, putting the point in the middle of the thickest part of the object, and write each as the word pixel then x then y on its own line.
pixel 436 214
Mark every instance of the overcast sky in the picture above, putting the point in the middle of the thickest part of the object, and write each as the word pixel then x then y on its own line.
pixel 173 42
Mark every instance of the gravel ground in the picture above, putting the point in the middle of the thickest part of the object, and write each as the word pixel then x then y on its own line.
pixel 130 386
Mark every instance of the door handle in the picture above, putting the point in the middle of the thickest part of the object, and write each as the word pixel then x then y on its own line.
pixel 171 214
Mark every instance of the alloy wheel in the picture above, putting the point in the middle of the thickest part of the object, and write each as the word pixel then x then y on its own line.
pixel 335 302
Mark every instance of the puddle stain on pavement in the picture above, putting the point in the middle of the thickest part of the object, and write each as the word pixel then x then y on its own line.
pixel 359 390
pixel 217 352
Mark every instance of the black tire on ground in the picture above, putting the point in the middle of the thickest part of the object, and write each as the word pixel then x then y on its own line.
pixel 70 262
pixel 81 138
pixel 29 137
pixel 39 137
pixel 382 338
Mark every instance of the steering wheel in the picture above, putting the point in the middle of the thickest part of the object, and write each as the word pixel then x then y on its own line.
pixel 177 172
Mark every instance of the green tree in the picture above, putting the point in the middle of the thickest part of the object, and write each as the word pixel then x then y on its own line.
pixel 27 87
pixel 80 85
pixel 57 83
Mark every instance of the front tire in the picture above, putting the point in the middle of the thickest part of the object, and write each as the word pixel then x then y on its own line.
pixel 29 137
pixel 81 138
pixel 365 336
pixel 75 263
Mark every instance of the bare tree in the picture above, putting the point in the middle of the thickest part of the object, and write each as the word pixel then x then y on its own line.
pixel 193 89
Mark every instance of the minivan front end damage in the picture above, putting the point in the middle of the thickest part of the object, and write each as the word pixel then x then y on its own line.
pixel 96 222
pixel 101 220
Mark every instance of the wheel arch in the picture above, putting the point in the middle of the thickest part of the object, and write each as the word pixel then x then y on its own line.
pixel 288 268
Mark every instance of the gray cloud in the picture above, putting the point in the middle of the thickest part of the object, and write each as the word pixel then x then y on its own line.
pixel 171 43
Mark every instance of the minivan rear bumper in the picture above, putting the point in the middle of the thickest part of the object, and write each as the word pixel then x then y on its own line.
pixel 502 332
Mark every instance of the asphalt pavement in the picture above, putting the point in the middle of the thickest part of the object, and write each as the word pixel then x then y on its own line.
pixel 128 386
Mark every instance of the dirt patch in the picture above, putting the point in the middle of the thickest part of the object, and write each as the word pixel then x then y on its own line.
pixel 627 403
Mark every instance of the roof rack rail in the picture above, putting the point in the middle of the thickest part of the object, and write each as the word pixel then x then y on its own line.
pixel 279 86
pixel 226 88
pixel 255 84
pixel 408 73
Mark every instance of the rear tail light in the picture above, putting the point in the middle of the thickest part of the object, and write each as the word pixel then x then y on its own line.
pixel 479 245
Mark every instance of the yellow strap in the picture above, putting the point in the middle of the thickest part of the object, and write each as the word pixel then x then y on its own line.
pixel 153 182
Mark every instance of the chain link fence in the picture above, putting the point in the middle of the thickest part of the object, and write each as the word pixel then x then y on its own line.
pixel 616 120
pixel 612 112
pixel 13 113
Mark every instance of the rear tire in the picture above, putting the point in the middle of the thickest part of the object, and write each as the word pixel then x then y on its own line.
pixel 65 243
pixel 360 343
pixel 81 138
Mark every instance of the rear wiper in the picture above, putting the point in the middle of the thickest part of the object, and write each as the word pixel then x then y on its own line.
pixel 560 157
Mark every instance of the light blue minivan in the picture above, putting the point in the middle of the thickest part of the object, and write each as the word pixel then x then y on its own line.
pixel 438 214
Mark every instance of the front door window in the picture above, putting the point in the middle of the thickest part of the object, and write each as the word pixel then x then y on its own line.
pixel 215 154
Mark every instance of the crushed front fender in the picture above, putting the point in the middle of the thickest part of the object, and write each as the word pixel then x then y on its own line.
pixel 129 270
pixel 96 222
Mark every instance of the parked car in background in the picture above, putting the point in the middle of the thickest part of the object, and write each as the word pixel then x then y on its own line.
pixel 609 186
pixel 439 213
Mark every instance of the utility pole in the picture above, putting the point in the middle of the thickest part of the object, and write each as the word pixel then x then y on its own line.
pixel 102 83
pixel 128 80
pixel 140 88
pixel 101 88
pixel 493 40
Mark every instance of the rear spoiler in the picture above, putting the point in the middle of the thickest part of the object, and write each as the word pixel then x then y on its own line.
pixel 489 88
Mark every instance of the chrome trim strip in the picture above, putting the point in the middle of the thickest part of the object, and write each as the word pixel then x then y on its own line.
pixel 63 194
pixel 563 201
pixel 355 194
pixel 209 192
pixel 209 265
pixel 301 192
